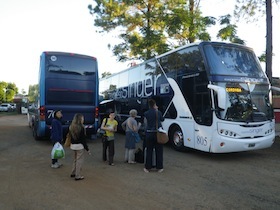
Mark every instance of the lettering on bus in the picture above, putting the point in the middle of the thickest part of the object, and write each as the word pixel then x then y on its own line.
pixel 233 90
pixel 50 113
pixel 253 131
pixel 143 88
pixel 244 79
pixel 201 140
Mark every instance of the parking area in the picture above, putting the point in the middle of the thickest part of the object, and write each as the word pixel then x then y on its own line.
pixel 191 179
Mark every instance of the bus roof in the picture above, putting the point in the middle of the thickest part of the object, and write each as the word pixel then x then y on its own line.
pixel 68 53
pixel 174 50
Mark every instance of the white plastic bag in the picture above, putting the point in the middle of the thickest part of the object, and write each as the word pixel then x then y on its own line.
pixel 57 151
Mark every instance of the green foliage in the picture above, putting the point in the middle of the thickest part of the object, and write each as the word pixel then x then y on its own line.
pixel 249 9
pixel 7 91
pixel 33 92
pixel 150 27
pixel 262 57
pixel 105 74
pixel 229 32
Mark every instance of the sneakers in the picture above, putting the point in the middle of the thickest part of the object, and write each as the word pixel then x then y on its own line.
pixel 160 170
pixel 80 178
pixel 146 170
pixel 59 164
pixel 56 165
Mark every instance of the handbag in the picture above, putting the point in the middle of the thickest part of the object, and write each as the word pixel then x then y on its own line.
pixel 67 142
pixel 100 132
pixel 104 138
pixel 162 137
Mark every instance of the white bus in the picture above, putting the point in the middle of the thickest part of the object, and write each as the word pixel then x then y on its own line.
pixel 214 96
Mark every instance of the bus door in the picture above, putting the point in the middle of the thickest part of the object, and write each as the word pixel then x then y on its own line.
pixel 188 133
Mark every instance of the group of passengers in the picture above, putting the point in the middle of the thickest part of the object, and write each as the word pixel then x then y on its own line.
pixel 152 119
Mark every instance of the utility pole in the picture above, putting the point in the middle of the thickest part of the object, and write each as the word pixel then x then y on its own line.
pixel 268 68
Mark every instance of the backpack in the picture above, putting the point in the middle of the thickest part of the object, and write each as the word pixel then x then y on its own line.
pixel 139 156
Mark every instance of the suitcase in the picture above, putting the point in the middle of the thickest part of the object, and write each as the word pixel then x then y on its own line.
pixel 153 157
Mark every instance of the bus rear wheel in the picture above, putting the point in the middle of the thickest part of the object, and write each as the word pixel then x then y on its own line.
pixel 177 139
pixel 34 132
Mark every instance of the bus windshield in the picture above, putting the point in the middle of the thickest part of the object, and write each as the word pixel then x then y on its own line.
pixel 246 102
pixel 233 61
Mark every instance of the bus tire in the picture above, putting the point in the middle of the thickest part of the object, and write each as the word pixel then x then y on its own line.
pixel 34 133
pixel 177 138
pixel 29 120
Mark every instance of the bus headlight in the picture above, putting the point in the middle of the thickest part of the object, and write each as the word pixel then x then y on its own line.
pixel 269 131
pixel 227 133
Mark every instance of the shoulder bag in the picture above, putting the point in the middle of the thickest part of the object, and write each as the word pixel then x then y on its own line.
pixel 68 140
pixel 162 137
pixel 101 132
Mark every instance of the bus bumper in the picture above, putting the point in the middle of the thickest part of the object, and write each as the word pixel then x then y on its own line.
pixel 226 145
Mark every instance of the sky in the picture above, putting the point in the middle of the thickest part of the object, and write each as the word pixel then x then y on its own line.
pixel 30 27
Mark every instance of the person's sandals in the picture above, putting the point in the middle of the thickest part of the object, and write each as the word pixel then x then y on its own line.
pixel 111 164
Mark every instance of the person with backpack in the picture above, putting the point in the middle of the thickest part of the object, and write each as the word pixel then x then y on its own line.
pixel 110 127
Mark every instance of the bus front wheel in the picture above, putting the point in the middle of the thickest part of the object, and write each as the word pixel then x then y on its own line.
pixel 177 139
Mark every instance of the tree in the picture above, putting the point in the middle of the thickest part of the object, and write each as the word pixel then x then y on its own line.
pixel 105 74
pixel 7 91
pixel 33 92
pixel 250 9
pixel 185 23
pixel 150 27
pixel 229 32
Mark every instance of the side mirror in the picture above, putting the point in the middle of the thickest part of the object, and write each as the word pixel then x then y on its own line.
pixel 221 92
pixel 275 88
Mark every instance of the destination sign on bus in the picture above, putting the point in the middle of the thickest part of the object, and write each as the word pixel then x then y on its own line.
pixel 233 90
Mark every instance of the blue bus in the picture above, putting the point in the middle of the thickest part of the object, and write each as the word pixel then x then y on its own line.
pixel 67 82
pixel 214 96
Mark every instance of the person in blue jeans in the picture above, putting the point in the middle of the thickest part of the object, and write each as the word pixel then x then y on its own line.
pixel 56 134
pixel 151 137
